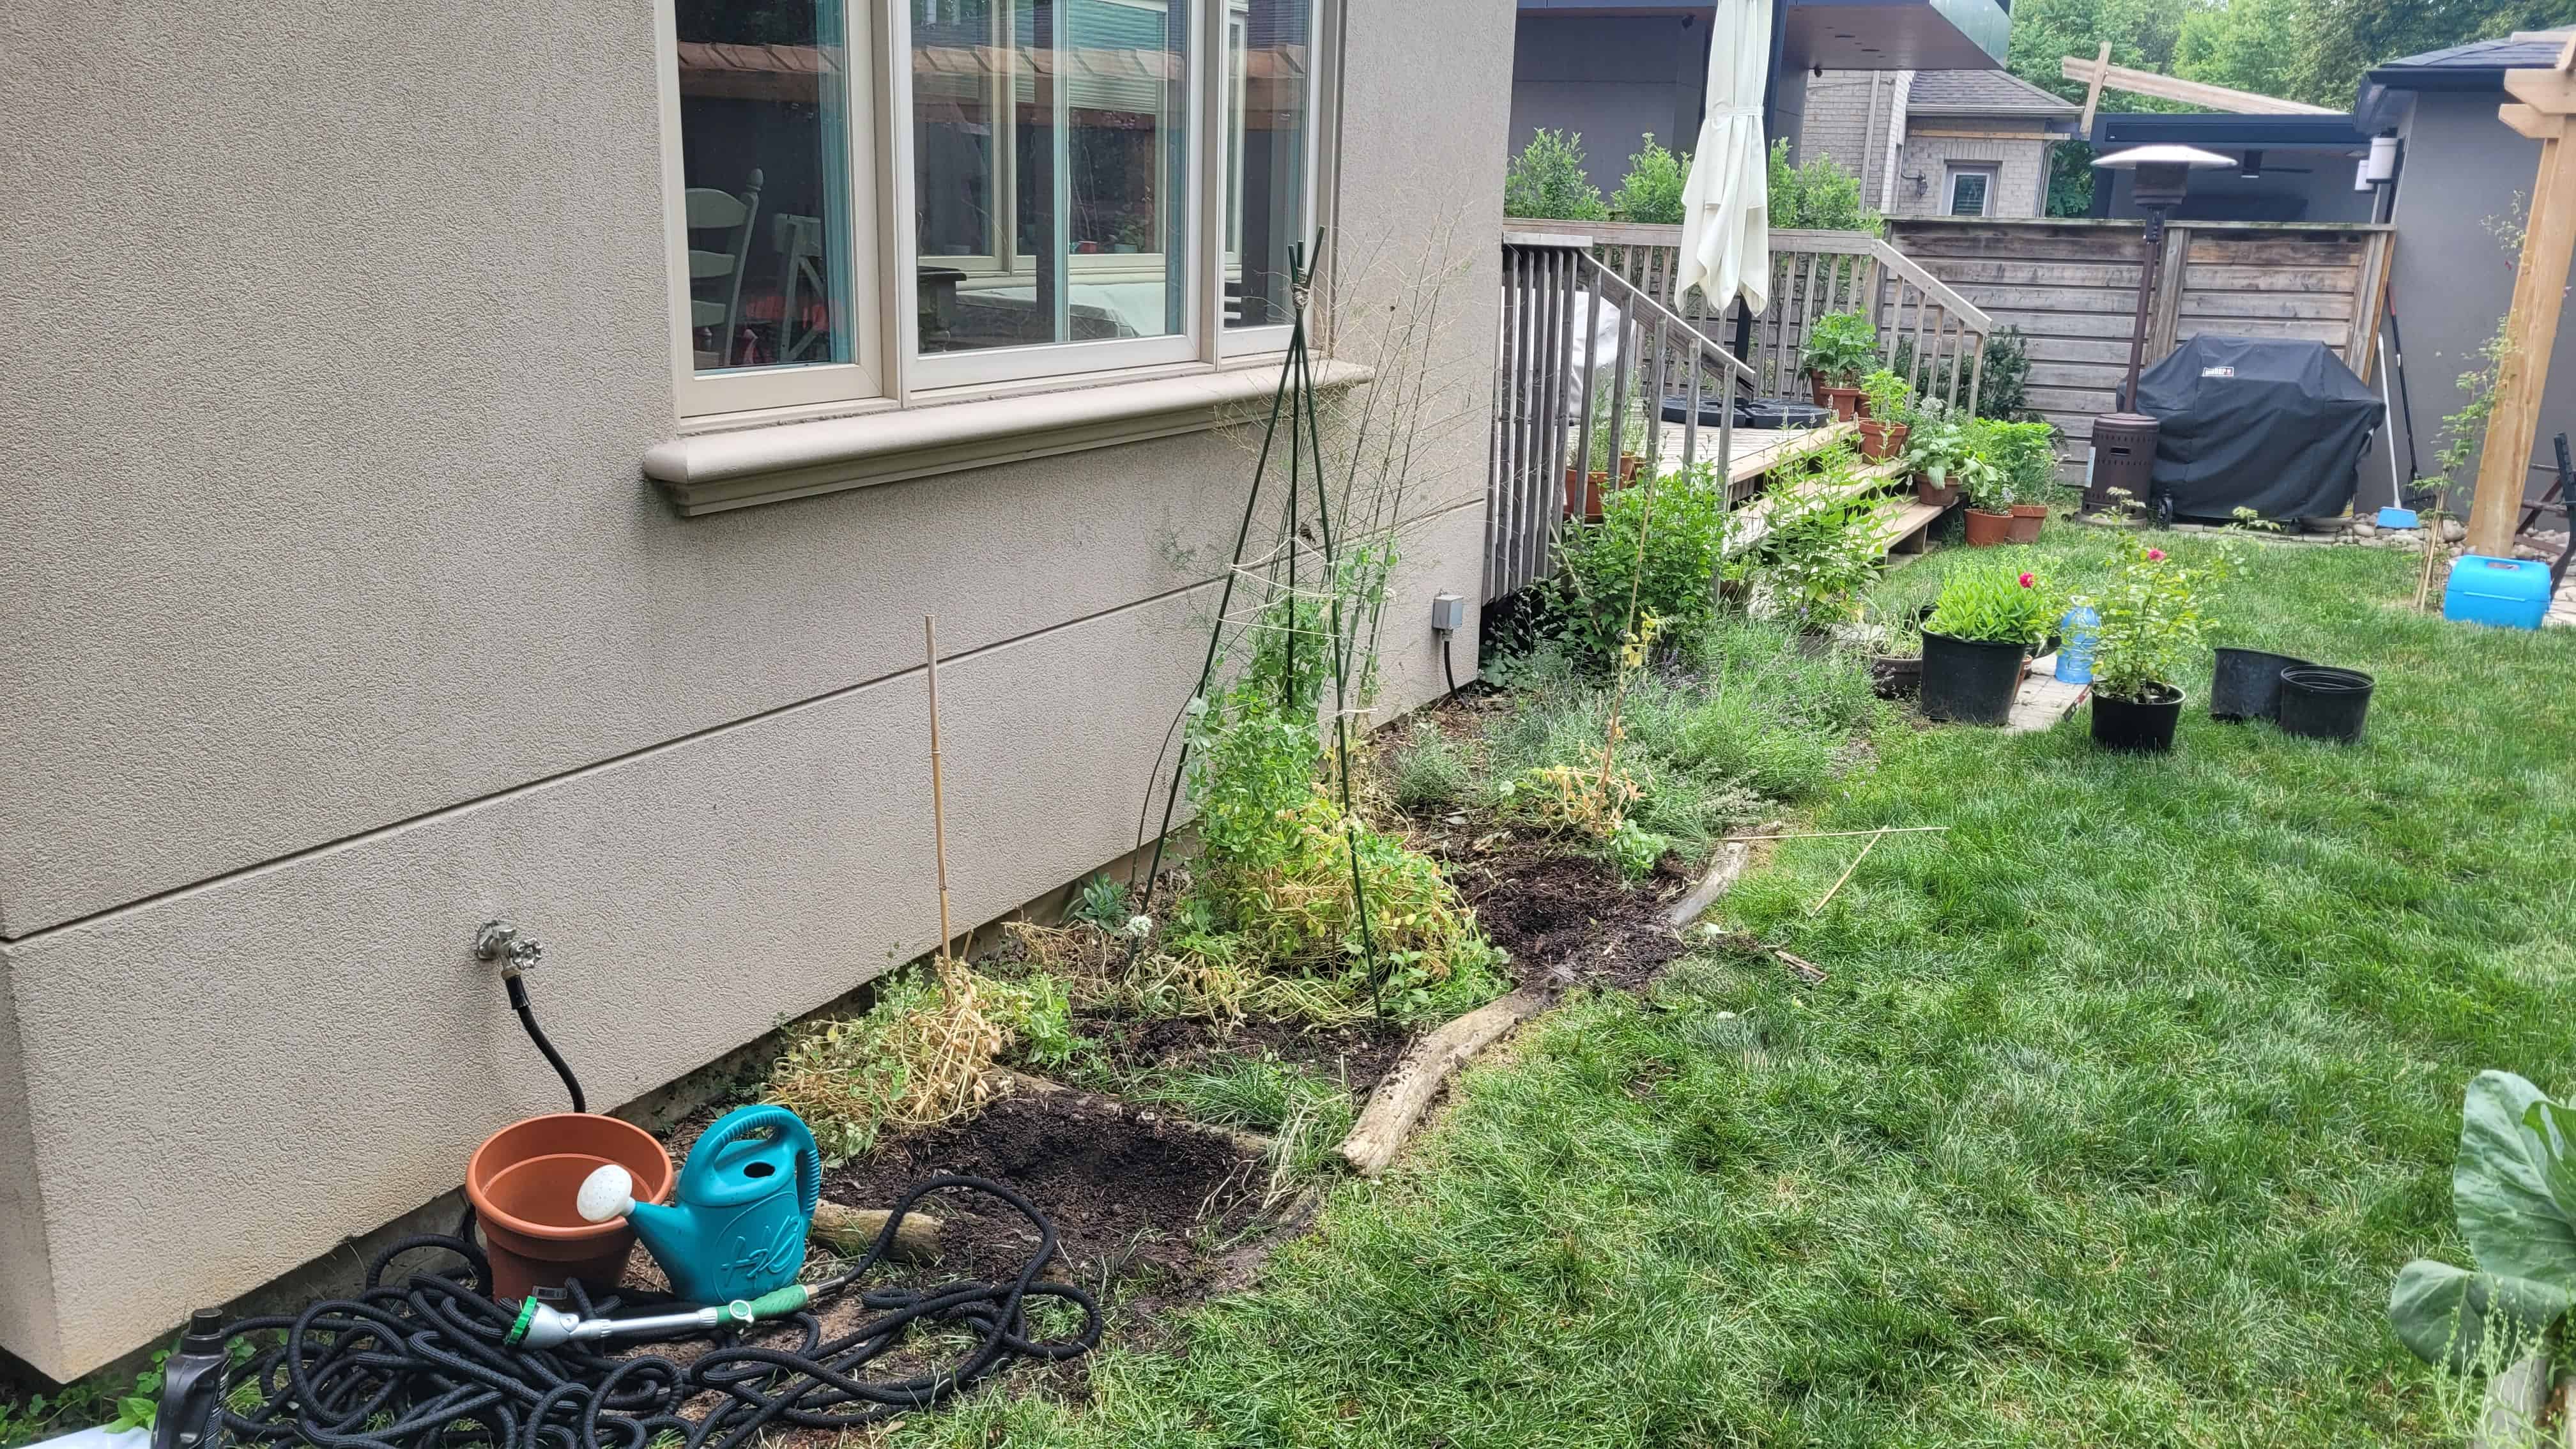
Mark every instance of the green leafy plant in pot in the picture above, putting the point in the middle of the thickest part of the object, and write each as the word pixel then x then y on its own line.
pixel 1841 347
pixel 2025 453
pixel 1980 632
pixel 2513 1188
pixel 2154 613
pixel 1988 489
pixel 1936 446
pixel 1886 415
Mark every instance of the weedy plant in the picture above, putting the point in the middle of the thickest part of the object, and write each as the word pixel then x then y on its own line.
pixel 1822 546
pixel 1429 771
pixel 1890 397
pixel 1664 545
pixel 1102 901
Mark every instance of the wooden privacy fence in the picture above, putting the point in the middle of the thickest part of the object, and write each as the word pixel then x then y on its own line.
pixel 2070 286
pixel 1925 327
pixel 1589 369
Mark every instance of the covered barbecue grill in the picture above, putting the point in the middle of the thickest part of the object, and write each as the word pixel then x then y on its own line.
pixel 2266 423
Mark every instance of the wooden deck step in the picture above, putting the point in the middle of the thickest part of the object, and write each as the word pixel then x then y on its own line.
pixel 1756 450
pixel 1910 531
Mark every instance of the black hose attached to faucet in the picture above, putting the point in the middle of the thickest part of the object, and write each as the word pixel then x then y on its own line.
pixel 528 1018
pixel 427 1361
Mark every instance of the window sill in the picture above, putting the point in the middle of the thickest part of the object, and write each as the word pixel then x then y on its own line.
pixel 711 472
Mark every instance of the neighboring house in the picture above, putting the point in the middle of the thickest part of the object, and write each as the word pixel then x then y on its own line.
pixel 2288 168
pixel 2463 180
pixel 1939 142
pixel 1615 72
pixel 493 461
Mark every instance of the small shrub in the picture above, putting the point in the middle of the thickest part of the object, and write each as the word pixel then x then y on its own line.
pixel 1669 548
pixel 2154 613
pixel 1430 771
pixel 2025 454
pixel 1819 195
pixel 1994 603
pixel 1652 189
pixel 1547 180
pixel 2001 384
pixel 1841 347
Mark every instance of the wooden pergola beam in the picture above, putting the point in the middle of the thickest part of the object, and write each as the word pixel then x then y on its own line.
pixel 2099 74
pixel 2544 103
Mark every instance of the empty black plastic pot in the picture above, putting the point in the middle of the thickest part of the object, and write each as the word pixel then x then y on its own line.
pixel 2247 684
pixel 1972 681
pixel 2137 724
pixel 2325 704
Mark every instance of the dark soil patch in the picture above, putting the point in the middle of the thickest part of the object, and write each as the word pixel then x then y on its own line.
pixel 1568 920
pixel 1143 1209
pixel 1355 1055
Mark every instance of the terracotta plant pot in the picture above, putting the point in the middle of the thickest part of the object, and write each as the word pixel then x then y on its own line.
pixel 1881 441
pixel 522 1182
pixel 1985 530
pixel 1845 401
pixel 2027 520
pixel 1630 465
pixel 1939 497
pixel 1583 493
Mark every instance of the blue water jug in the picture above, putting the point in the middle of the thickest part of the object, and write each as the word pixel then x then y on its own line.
pixel 2078 632
pixel 745 1205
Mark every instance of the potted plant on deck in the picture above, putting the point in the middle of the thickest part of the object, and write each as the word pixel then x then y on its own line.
pixel 2153 616
pixel 1841 347
pixel 1979 635
pixel 1886 415
pixel 1935 449
pixel 1989 492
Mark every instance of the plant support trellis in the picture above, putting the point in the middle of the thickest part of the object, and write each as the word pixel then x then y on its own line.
pixel 1294 396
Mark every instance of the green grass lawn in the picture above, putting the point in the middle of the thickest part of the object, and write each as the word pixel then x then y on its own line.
pixel 2125 1101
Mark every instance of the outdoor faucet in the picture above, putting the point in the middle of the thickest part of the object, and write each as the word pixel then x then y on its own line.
pixel 502 942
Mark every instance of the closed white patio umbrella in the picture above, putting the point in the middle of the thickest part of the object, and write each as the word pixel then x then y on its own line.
pixel 1726 205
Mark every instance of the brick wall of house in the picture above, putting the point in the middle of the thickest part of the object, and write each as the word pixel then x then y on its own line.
pixel 1842 122
pixel 2020 169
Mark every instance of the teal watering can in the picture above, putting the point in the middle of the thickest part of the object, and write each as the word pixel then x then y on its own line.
pixel 745 1204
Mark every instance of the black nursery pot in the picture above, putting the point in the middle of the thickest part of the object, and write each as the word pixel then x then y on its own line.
pixel 2246 684
pixel 1971 681
pixel 2137 724
pixel 2325 704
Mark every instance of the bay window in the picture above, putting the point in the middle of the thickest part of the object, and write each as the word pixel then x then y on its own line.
pixel 883 201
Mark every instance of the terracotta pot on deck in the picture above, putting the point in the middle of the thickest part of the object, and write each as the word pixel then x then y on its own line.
pixel 1938 495
pixel 1583 493
pixel 1881 441
pixel 1845 401
pixel 2027 519
pixel 1985 530
pixel 1630 465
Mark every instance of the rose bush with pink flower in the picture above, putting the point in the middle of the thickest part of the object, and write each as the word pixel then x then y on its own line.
pixel 2154 615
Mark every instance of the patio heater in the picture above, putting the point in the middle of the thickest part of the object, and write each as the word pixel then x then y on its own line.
pixel 2124 443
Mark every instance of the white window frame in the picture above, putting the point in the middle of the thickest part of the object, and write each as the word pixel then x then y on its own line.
pixel 888 369
pixel 1990 172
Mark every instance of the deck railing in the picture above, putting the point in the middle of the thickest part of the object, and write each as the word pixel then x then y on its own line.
pixel 1590 363
pixel 1926 330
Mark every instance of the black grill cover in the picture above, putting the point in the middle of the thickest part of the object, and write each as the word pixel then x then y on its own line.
pixel 2265 423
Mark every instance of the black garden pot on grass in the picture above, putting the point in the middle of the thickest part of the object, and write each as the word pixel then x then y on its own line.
pixel 1971 681
pixel 2246 684
pixel 2138 724
pixel 2325 704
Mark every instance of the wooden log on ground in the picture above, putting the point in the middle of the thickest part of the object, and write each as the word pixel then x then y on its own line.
pixel 1406 1092
pixel 852 1231
pixel 1730 865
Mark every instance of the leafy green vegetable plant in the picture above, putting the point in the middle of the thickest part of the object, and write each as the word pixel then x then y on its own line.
pixel 1840 348
pixel 1547 180
pixel 2154 614
pixel 2024 454
pixel 1994 603
pixel 2513 1188
pixel 1890 397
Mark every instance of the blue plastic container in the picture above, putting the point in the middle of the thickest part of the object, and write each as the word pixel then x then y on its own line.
pixel 2082 629
pixel 2511 592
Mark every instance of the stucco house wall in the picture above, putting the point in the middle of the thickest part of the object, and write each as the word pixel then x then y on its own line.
pixel 2452 279
pixel 341 621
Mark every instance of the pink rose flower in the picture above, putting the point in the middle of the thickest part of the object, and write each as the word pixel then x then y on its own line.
pixel 2025 581
pixel 2155 555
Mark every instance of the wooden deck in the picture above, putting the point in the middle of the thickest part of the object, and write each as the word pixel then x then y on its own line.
pixel 1757 450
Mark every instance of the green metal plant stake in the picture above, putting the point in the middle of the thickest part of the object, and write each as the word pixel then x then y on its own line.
pixel 1295 394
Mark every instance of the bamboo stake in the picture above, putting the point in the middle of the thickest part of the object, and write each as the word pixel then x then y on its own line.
pixel 1835 834
pixel 938 808
pixel 1874 839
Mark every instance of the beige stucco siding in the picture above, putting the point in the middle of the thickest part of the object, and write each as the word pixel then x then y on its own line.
pixel 340 620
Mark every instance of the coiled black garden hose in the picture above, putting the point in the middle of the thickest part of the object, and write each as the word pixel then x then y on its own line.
pixel 422 1364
